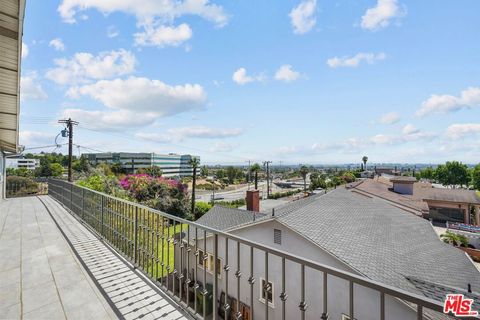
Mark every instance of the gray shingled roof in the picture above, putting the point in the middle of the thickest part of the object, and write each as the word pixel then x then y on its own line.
pixel 382 242
pixel 223 218
pixel 379 240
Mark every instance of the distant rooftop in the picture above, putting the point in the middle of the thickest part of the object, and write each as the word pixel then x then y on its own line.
pixel 404 179
pixel 381 187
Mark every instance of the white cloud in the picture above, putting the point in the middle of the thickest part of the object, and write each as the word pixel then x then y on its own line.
pixel 286 73
pixel 410 129
pixel 221 146
pixel 205 132
pixel 303 17
pixel 240 77
pixel 409 133
pixel 57 44
pixel 110 120
pixel 162 36
pixel 456 131
pixel 112 32
pixel 390 118
pixel 182 133
pixel 448 103
pixel 84 66
pixel 354 61
pixel 166 10
pixel 384 139
pixel 379 16
pixel 24 50
pixel 143 95
pixel 35 138
pixel 30 89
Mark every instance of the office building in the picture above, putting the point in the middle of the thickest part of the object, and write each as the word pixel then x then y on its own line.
pixel 172 165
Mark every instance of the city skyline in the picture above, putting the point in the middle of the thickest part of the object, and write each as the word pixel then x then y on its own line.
pixel 301 82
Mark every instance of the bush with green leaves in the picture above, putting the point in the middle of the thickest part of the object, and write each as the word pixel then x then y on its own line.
pixel 20 172
pixel 455 239
pixel 278 195
pixel 202 207
pixel 20 186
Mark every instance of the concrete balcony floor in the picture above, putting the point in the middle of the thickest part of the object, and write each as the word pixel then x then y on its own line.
pixel 44 276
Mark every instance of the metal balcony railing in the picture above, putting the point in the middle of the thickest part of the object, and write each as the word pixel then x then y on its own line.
pixel 157 243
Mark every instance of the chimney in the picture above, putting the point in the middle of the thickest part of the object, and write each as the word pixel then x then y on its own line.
pixel 253 200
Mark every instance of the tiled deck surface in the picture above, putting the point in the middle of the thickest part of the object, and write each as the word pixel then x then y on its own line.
pixel 41 277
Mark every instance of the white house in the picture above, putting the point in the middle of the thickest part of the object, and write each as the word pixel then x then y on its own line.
pixel 363 235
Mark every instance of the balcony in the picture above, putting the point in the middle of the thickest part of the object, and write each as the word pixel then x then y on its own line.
pixel 125 260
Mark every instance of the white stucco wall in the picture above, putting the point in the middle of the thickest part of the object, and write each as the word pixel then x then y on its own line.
pixel 367 301
pixel 403 188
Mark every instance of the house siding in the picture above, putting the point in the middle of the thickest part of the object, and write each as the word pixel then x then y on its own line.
pixel 366 301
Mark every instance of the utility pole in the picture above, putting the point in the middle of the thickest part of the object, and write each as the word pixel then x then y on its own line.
pixel 69 124
pixel 266 163
pixel 249 174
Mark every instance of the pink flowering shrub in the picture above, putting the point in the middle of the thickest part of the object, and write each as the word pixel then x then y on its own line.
pixel 167 195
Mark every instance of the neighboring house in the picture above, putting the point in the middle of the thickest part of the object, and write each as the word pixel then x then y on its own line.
pixel 172 165
pixel 438 204
pixel 388 171
pixel 367 174
pixel 17 163
pixel 343 229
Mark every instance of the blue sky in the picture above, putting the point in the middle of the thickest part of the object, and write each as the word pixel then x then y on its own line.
pixel 292 81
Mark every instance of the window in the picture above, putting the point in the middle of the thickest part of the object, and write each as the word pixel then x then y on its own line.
pixel 277 236
pixel 209 262
pixel 266 292
pixel 200 258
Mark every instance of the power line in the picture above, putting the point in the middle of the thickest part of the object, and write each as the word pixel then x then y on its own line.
pixel 123 136
pixel 44 147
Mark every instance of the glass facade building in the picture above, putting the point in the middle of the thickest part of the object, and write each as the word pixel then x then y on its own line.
pixel 172 165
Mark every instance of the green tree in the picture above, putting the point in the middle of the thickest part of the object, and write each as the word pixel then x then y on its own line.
pixel 453 173
pixel 255 168
pixel 81 165
pixel 427 173
pixel 117 168
pixel 56 170
pixel 204 171
pixel 364 160
pixel 220 174
pixel 316 183
pixel 476 177
pixel 20 172
pixel 202 207
pixel 194 163
pixel 154 171
pixel 303 172
pixel 347 177
pixel 231 174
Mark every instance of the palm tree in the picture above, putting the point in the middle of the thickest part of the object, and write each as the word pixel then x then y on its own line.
pixel 455 239
pixel 304 172
pixel 194 162
pixel 364 160
pixel 256 168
